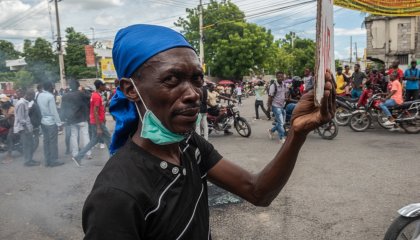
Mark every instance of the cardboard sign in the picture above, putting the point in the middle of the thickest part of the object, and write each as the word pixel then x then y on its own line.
pixel 324 46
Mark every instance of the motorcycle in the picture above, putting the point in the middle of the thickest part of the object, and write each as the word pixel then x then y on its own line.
pixel 345 106
pixel 406 115
pixel 230 115
pixel 327 131
pixel 407 225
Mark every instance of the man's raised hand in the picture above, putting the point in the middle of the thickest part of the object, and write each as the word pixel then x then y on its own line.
pixel 307 117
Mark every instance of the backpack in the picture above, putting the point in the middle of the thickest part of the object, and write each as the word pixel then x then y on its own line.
pixel 275 89
pixel 35 115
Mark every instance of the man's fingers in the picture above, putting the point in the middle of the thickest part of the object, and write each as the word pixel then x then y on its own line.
pixel 324 103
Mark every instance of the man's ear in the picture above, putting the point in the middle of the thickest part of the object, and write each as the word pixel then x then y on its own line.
pixel 126 86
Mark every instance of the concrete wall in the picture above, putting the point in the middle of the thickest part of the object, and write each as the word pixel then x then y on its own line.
pixel 389 37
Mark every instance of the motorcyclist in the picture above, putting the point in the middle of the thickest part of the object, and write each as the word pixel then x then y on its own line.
pixel 214 109
pixel 394 97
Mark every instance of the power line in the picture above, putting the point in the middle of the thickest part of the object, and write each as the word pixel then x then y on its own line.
pixel 22 16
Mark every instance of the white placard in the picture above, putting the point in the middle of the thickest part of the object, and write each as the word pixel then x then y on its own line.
pixel 325 46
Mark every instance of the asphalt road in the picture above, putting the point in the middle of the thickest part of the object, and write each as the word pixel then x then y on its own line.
pixel 347 188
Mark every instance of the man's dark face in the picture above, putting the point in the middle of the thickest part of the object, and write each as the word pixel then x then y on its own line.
pixel 170 85
pixel 413 65
pixel 102 88
pixel 280 77
pixel 356 68
pixel 395 64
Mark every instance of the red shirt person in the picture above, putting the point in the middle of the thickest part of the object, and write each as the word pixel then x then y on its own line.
pixel 97 122
pixel 395 69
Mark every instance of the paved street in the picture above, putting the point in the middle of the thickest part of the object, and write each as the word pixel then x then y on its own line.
pixel 347 188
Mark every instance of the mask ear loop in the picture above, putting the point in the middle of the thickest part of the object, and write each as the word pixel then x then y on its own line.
pixel 141 99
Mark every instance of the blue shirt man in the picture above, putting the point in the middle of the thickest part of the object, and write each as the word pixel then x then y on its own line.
pixel 412 76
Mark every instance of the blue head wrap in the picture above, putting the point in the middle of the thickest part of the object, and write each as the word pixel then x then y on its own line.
pixel 133 46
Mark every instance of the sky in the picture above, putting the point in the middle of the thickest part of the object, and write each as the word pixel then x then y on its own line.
pixel 101 19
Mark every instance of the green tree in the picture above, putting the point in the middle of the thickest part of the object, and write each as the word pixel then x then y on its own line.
pixel 41 61
pixel 296 54
pixel 233 47
pixel 75 58
pixel 24 79
pixel 7 52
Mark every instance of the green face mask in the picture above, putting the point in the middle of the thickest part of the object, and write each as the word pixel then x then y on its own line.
pixel 153 129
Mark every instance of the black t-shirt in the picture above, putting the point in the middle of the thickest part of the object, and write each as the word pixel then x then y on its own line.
pixel 358 79
pixel 75 107
pixel 139 196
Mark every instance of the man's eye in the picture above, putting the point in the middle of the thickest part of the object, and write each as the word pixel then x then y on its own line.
pixel 170 79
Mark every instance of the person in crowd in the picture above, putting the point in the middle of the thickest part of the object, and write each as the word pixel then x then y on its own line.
pixel 50 124
pixel 412 76
pixel 358 79
pixel 8 110
pixel 395 69
pixel 97 121
pixel 347 73
pixel 238 91
pixel 341 83
pixel 366 94
pixel 214 110
pixel 38 90
pixel 75 112
pixel 259 102
pixel 228 91
pixel 24 128
pixel 276 103
pixel 155 185
pixel 394 97
pixel 375 77
pixel 308 80
pixel 202 128
pixel 34 114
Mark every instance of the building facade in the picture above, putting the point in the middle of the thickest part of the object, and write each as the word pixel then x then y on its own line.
pixel 393 38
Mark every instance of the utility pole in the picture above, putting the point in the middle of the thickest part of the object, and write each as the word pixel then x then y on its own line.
pixel 200 7
pixel 355 49
pixel 351 49
pixel 60 48
pixel 93 35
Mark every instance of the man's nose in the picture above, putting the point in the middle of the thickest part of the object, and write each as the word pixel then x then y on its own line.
pixel 191 93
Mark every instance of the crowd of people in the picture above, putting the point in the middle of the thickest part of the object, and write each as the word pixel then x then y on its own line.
pixel 79 112
pixel 395 85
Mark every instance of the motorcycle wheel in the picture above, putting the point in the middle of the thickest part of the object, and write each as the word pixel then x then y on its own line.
pixel 340 119
pixel 242 127
pixel 382 118
pixel 359 122
pixel 411 126
pixel 328 131
pixel 404 228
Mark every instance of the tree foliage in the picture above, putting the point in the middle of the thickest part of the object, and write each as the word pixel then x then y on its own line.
pixel 234 48
pixel 42 63
pixel 75 58
pixel 7 52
